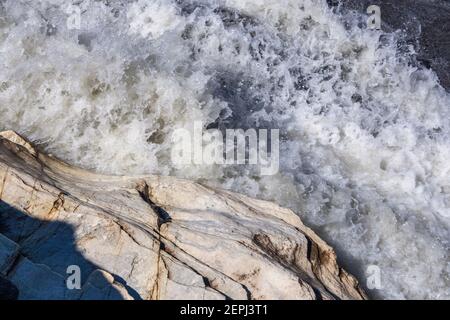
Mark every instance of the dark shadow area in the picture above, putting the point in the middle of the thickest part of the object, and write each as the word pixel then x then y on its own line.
pixel 8 291
pixel 47 249
pixel 241 101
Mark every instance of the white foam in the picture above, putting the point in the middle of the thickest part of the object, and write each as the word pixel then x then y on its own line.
pixel 365 154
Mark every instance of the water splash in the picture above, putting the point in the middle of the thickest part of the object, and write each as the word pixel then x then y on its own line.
pixel 365 133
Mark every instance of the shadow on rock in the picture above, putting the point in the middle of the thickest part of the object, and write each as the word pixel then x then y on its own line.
pixel 40 260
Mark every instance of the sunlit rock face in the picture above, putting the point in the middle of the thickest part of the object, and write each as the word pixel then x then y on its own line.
pixel 364 130
pixel 66 233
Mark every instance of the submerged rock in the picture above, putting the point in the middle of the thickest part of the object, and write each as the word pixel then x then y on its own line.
pixel 150 237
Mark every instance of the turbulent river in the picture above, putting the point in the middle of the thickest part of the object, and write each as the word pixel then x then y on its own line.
pixel 365 133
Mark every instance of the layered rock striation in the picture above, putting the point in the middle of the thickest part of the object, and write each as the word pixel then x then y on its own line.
pixel 149 237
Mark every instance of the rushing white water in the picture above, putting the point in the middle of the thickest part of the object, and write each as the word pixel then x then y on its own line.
pixel 365 135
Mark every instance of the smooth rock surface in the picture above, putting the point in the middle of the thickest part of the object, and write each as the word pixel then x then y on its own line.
pixel 8 291
pixel 151 238
pixel 8 254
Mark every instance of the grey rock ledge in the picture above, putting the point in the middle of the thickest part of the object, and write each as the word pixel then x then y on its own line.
pixel 151 237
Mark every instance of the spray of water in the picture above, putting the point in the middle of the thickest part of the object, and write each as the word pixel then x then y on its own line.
pixel 365 139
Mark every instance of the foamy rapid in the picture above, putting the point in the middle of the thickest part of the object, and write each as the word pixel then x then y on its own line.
pixel 365 150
